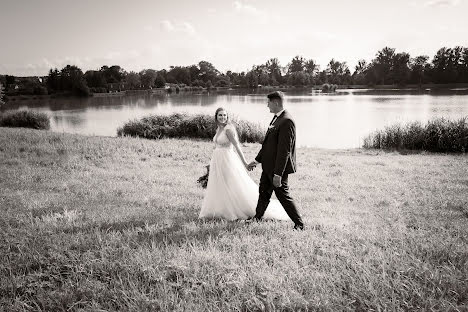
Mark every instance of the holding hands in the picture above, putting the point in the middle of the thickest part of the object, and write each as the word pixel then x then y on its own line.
pixel 252 165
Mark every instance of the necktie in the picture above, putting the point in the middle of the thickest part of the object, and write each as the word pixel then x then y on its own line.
pixel 273 120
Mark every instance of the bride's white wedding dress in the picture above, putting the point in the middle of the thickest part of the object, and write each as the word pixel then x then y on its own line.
pixel 231 193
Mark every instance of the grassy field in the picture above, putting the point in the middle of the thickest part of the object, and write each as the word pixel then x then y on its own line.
pixel 94 223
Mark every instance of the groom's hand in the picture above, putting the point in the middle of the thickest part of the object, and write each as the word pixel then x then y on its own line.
pixel 252 165
pixel 276 180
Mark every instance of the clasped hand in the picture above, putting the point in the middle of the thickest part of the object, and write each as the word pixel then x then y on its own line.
pixel 251 166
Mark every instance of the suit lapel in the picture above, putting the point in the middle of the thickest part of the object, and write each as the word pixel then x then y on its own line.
pixel 275 123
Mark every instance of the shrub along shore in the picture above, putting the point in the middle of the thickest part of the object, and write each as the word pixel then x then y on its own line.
pixel 187 126
pixel 437 135
pixel 95 223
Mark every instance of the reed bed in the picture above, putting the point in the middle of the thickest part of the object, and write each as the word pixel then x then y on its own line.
pixel 25 119
pixel 438 135
pixel 180 125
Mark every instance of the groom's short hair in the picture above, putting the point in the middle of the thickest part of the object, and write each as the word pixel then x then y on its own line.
pixel 276 95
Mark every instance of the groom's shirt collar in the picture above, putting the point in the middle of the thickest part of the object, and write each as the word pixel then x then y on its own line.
pixel 279 113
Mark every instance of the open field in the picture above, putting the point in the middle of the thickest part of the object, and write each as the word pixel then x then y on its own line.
pixel 94 223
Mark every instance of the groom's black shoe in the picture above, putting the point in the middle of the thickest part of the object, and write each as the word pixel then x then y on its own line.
pixel 299 227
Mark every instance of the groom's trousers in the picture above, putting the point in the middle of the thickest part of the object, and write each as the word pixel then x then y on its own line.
pixel 266 189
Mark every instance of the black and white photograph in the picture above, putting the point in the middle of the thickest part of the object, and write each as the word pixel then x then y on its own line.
pixel 233 155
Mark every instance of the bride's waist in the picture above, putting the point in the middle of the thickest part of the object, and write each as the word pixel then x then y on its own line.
pixel 227 146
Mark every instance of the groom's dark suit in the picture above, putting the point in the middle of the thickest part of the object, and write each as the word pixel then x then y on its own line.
pixel 278 156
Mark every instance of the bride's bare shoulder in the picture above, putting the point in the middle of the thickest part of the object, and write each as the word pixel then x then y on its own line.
pixel 230 127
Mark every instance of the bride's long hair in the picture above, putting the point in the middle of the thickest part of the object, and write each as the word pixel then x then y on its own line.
pixel 216 116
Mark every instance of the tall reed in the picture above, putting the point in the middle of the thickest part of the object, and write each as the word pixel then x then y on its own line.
pixel 438 135
pixel 25 119
pixel 181 125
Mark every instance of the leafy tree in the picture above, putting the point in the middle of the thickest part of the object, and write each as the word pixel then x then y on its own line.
pixel 148 77
pixel 53 80
pixel 360 75
pixel 338 72
pixel 297 64
pixel 261 71
pixel 95 79
pixel 311 67
pixel 179 74
pixel 274 71
pixel 419 67
pixel 194 72
pixel 69 80
pixel 113 74
pixel 400 71
pixel 251 80
pixel 383 64
pixel 223 81
pixel 463 66
pixel 159 81
pixel 208 71
pixel 2 93
pixel 298 79
pixel 132 80
pixel 9 80
pixel 198 83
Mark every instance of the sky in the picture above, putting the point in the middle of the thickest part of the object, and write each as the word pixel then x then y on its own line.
pixel 37 35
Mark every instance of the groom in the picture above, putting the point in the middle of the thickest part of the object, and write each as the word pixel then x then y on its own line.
pixel 278 159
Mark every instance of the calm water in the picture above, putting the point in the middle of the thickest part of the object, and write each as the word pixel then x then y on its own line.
pixel 339 120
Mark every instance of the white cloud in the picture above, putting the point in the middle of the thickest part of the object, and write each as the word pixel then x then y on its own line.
pixel 247 9
pixel 167 25
pixel 441 3
pixel 187 27
pixel 183 27
pixel 324 35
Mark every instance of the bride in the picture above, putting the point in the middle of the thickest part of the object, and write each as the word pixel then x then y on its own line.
pixel 231 193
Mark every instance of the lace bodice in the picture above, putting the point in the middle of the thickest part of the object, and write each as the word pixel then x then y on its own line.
pixel 221 140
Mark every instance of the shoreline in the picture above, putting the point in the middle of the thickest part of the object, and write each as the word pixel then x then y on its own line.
pixel 163 91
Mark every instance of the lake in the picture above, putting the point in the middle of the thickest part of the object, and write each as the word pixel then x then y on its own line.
pixel 337 120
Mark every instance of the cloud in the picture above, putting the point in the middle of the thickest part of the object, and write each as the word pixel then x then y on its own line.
pixel 167 26
pixel 324 35
pixel 441 3
pixel 182 27
pixel 249 10
pixel 187 28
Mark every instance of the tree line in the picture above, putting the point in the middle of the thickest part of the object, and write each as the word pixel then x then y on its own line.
pixel 448 65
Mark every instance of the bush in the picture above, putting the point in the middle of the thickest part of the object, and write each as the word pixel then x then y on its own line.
pixel 438 135
pixel 329 87
pixel 98 90
pixel 187 126
pixel 25 119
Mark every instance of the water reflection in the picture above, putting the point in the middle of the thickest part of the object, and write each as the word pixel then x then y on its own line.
pixel 326 120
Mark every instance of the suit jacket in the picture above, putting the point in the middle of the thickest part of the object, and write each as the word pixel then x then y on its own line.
pixel 278 152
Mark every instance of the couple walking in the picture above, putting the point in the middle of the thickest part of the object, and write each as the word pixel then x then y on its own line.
pixel 231 194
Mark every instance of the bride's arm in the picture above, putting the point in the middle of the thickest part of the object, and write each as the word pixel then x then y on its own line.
pixel 233 138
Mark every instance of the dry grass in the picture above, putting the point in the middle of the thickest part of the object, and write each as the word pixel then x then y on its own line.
pixel 91 224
